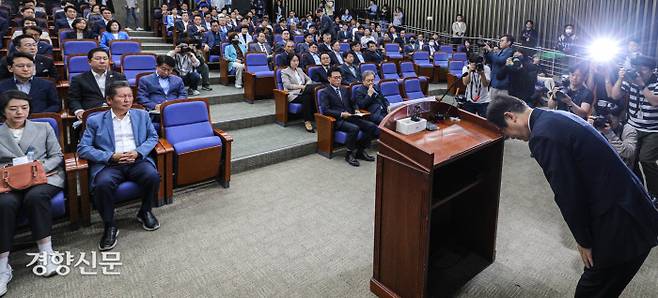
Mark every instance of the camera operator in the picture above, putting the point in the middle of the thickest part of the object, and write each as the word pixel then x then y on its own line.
pixel 186 64
pixel 572 95
pixel 497 59
pixel 477 80
pixel 522 76
pixel 622 137
pixel 642 89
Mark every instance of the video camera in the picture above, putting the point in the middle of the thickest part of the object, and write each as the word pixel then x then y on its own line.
pixel 600 121
pixel 563 87
pixel 185 48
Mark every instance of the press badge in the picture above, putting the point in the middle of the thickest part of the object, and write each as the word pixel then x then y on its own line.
pixel 20 160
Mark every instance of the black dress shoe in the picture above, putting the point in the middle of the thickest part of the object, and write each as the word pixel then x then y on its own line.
pixel 148 220
pixel 109 240
pixel 349 157
pixel 363 155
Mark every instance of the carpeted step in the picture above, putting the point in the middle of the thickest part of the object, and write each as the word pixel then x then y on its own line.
pixel 239 115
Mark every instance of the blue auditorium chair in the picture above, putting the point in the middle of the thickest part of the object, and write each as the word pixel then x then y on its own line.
pixel 120 47
pixel 391 90
pixel 412 89
pixel 423 65
pixel 134 64
pixel 392 51
pixel 371 67
pixel 407 71
pixel 389 71
pixel 258 77
pixel 76 64
pixel 283 108
pixel 200 152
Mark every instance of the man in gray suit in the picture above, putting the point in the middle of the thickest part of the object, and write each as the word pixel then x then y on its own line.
pixel 261 46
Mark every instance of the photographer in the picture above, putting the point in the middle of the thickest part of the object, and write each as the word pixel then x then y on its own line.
pixel 477 80
pixel 622 138
pixel 186 64
pixel 573 96
pixel 642 89
pixel 522 76
pixel 497 59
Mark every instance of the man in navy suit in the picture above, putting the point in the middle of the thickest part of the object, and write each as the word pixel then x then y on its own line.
pixel 608 211
pixel 372 55
pixel 4 27
pixel 336 103
pixel 102 24
pixel 161 86
pixel 370 97
pixel 326 25
pixel 322 74
pixel 43 65
pixel 43 92
pixel 212 40
pixel 499 84
pixel 349 70
pixel 66 23
pixel 118 143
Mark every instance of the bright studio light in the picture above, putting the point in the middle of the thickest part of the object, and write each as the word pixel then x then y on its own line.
pixel 603 50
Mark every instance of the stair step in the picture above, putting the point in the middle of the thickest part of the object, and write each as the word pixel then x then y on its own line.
pixel 239 115
pixel 141 33
pixel 147 39
pixel 221 94
pixel 263 145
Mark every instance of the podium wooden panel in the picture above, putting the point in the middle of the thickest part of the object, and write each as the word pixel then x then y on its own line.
pixel 436 205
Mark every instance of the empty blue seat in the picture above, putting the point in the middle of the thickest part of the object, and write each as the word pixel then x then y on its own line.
pixel 441 59
pixel 76 65
pixel 370 67
pixel 389 71
pixel 422 59
pixel 391 91
pixel 392 51
pixel 120 47
pixel 412 89
pixel 455 68
pixel 134 64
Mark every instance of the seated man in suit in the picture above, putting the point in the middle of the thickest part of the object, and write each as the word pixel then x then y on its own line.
pixel 262 46
pixel 182 26
pixel 351 73
pixel 118 143
pixel 43 92
pixel 369 97
pixel 44 47
pixel 102 24
pixel 303 47
pixel 336 103
pixel 345 34
pixel 161 86
pixel 325 46
pixel 212 40
pixel 66 23
pixel 359 57
pixel 336 56
pixel 312 57
pixel 44 65
pixel 87 90
pixel 372 55
pixel 283 59
pixel 322 76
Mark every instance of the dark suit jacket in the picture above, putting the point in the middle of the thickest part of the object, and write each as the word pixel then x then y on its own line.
pixel 348 77
pixel 4 27
pixel 307 60
pixel 332 105
pixel 44 48
pixel 323 48
pixel 84 92
pixel 320 76
pixel 255 47
pixel 62 24
pixel 41 23
pixel 326 26
pixel 373 57
pixel 42 92
pixel 45 67
pixel 344 35
pixel 98 26
pixel 604 204
pixel 376 103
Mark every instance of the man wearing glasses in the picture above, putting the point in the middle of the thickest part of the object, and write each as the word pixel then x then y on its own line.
pixel 87 89
pixel 43 65
pixel 335 102
pixel 42 92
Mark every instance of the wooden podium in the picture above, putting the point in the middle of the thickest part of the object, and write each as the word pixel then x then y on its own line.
pixel 436 206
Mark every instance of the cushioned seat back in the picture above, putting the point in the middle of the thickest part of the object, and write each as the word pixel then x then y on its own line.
pixel 312 70
pixel 353 91
pixel 277 38
pixel 391 90
pixel 281 57
pixel 318 94
pixel 412 89
pixel 441 56
pixel 120 47
pixel 421 57
pixel 407 70
pixel 256 62
pixel 134 64
pixel 392 48
pixel 447 49
pixel 77 65
pixel 277 79
pixel 222 47
pixel 62 34
pixel 185 121
pixel 298 39
pixel 51 121
pixel 73 47
pixel 456 65
pixel 371 67
pixel 344 47
pixel 389 71
pixel 461 48
pixel 459 57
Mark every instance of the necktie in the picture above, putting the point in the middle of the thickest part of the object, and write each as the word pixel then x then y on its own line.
pixel 338 93
pixel 262 48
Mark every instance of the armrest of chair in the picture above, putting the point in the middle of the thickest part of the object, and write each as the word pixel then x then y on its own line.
pixel 325 127
pixel 281 106
pixel 71 169
pixel 225 170
pixel 164 160
pixel 324 123
pixel 83 177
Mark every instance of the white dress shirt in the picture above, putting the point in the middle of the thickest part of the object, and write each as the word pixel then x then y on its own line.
pixel 100 81
pixel 124 140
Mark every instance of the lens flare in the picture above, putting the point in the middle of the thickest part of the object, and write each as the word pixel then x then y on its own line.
pixel 603 50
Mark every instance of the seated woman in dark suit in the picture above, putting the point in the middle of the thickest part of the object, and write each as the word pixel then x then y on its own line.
pixel 300 90
pixel 23 139
pixel 80 30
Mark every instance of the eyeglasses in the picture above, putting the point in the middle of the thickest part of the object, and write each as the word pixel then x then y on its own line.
pixel 30 65
pixel 30 45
